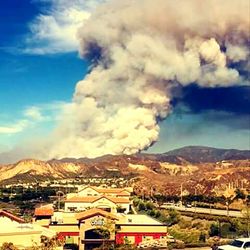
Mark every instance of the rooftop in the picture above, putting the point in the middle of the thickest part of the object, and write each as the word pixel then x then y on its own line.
pixel 92 199
pixel 64 218
pixel 42 211
pixel 95 211
pixel 107 190
pixel 11 216
pixel 24 228
pixel 138 219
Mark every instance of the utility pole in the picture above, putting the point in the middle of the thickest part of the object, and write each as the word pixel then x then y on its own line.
pixel 59 194
pixel 227 204
pixel 181 193
pixel 59 201
pixel 195 194
pixel 248 224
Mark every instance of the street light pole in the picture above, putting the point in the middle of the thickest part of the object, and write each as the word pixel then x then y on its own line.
pixel 195 194
pixel 227 204
pixel 59 193
pixel 181 194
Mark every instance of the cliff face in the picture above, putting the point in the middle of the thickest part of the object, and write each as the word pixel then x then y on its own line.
pixel 193 167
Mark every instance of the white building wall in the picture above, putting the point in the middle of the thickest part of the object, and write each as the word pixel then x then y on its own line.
pixel 88 192
pixel 77 206
pixel 102 203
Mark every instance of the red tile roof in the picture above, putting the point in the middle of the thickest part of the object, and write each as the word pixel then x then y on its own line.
pixel 86 199
pixel 124 193
pixel 93 212
pixel 110 190
pixel 91 187
pixel 44 211
pixel 11 216
pixel 91 199
pixel 107 190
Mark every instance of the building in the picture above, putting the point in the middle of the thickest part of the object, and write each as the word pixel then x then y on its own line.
pixel 43 215
pixel 108 203
pixel 137 228
pixel 80 228
pixel 97 191
pixel 89 221
pixel 14 229
pixel 109 199
pixel 105 209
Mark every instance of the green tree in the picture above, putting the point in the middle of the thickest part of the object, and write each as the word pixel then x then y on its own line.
pixel 141 206
pixel 106 231
pixel 214 230
pixel 239 194
pixel 246 218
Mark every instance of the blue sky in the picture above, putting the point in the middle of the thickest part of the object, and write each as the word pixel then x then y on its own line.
pixel 40 65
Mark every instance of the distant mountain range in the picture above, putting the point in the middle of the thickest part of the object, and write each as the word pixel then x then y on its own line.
pixel 199 154
pixel 191 154
pixel 206 167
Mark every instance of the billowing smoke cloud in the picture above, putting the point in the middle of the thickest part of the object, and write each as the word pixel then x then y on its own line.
pixel 141 52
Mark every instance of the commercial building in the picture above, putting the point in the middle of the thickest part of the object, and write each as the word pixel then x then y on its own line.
pixel 80 228
pixel 102 209
pixel 109 199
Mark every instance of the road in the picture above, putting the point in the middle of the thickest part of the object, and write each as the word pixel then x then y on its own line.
pixel 199 248
pixel 196 248
pixel 201 210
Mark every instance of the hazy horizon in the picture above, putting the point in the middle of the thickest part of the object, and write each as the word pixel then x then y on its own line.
pixel 61 96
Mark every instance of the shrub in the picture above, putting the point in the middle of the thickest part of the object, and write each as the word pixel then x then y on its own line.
pixel 173 217
pixel 157 214
pixel 149 206
pixel 141 206
pixel 186 235
pixel 177 245
pixel 184 224
pixel 214 230
pixel 202 237
pixel 151 213
pixel 8 246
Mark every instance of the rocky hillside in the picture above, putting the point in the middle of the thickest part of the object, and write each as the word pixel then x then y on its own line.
pixel 204 169
pixel 29 169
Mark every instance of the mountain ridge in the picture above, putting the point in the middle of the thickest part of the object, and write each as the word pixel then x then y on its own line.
pixel 215 154
pixel 199 154
pixel 165 171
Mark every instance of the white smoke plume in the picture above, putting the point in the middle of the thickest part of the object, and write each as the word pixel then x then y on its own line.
pixel 141 50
